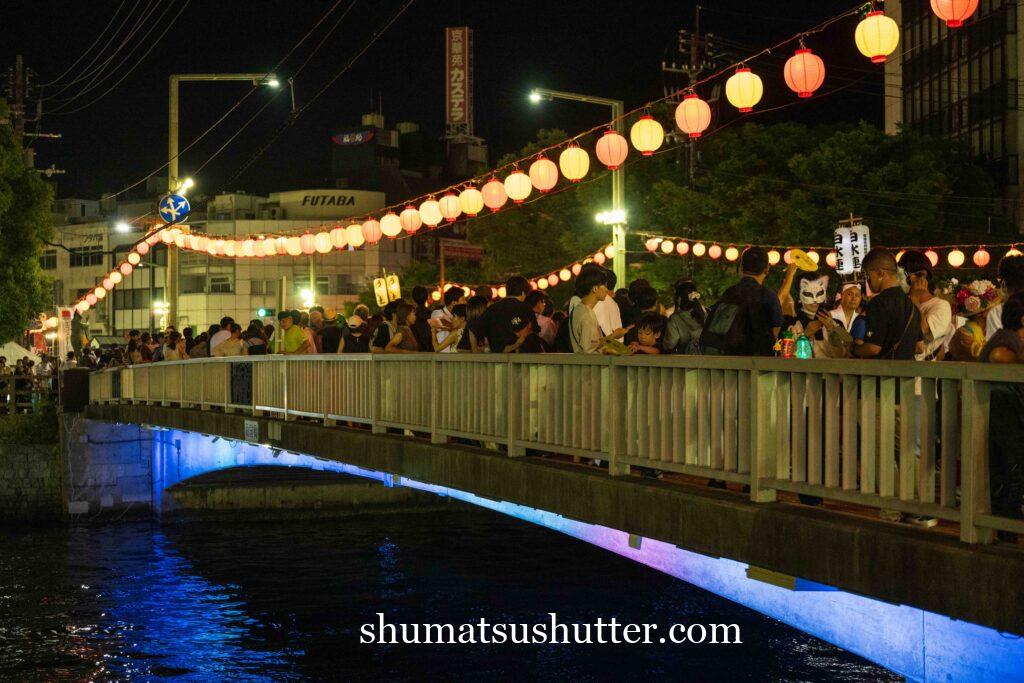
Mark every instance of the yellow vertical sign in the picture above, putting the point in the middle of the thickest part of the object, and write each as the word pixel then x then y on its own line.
pixel 380 289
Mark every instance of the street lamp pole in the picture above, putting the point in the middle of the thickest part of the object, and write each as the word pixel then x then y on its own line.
pixel 174 183
pixel 618 175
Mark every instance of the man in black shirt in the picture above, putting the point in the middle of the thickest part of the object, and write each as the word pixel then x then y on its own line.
pixel 893 321
pixel 329 336
pixel 507 323
pixel 421 328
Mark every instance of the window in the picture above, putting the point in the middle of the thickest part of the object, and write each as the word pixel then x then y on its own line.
pixel 323 285
pixel 48 261
pixel 135 298
pixel 256 286
pixel 220 284
pixel 86 256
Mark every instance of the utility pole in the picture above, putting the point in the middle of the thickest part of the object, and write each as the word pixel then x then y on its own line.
pixel 20 86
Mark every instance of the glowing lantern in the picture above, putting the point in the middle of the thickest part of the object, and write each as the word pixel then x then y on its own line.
pixel 410 218
pixel 338 238
pixel 699 249
pixel 667 247
pixel 494 194
pixel 732 253
pixel 956 258
pixel 134 259
pixel 788 256
pixel 774 257
pixel 192 242
pixel 565 275
pixel 693 115
pixel 126 268
pixel 981 258
pixel 268 247
pixel 899 255
pixel 153 239
pixel 877 36
pixel 430 213
pixel 552 279
pixel 231 248
pixel 494 290
pixel 831 259
pixel 715 251
pixel 354 235
pixel 465 291
pixel 203 243
pixel 543 174
pixel 391 224
pixel 142 248
pixel 211 246
pixel 933 257
pixel 744 89
pixel 611 149
pixel 450 207
pixel 609 251
pixel 249 248
pixel 293 246
pixel 542 283
pixel 954 12
pixel 91 299
pixel 651 244
pixel 577 268
pixel 82 306
pixel 116 277
pixel 1014 251
pixel 471 200
pixel 574 162
pixel 814 256
pixel 108 284
pixel 180 240
pixel 533 285
pixel 435 295
pixel 518 186
pixel 166 236
pixel 99 293
pixel 599 258
pixel 371 231
pixel 322 242
pixel 307 243
pixel 502 292
pixel 683 248
pixel 805 72
pixel 647 135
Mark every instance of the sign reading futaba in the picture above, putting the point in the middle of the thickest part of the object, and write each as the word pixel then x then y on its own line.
pixel 329 204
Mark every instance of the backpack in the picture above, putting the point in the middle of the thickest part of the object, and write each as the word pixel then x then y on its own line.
pixel 737 325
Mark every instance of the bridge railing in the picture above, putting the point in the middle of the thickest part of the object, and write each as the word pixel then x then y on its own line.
pixel 912 437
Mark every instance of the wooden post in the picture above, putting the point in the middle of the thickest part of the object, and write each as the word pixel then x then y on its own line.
pixel 375 394
pixel 513 411
pixel 761 385
pixel 974 484
pixel 436 391
pixel 613 411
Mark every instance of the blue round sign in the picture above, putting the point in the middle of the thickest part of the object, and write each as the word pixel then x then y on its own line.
pixel 174 208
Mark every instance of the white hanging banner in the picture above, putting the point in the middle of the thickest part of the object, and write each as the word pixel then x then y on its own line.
pixel 852 245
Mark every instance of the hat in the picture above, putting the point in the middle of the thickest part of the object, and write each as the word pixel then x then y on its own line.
pixel 976 298
pixel 355 322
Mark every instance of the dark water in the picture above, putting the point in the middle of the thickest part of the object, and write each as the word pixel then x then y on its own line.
pixel 285 600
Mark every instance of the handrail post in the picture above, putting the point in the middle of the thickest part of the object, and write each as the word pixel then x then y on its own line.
pixel 375 394
pixel 181 385
pixel 612 412
pixel 435 400
pixel 227 390
pixel 760 420
pixel 974 480
pixel 284 387
pixel 327 389
pixel 514 403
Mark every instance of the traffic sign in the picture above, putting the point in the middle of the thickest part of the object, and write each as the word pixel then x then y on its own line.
pixel 174 208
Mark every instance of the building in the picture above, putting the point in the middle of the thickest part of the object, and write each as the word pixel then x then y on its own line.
pixel 963 82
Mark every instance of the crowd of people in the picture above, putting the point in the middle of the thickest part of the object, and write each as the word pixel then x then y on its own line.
pixel 25 383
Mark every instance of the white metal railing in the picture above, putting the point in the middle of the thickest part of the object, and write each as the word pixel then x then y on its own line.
pixel 889 435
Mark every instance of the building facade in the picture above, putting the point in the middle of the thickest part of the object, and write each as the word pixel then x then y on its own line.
pixel 963 82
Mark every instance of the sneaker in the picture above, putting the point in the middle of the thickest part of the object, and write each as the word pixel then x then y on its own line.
pixel 921 521
pixel 891 515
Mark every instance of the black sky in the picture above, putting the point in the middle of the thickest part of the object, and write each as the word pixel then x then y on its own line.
pixel 613 49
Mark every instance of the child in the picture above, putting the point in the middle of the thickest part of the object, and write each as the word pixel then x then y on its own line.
pixel 645 336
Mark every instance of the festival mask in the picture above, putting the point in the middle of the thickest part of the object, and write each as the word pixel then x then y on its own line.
pixel 813 291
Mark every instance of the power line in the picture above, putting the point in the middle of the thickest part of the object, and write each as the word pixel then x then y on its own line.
pixel 88 49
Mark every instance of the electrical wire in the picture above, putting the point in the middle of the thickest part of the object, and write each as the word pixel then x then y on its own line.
pixel 99 36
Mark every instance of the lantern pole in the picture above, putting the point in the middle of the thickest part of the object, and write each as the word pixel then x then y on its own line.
pixel 618 175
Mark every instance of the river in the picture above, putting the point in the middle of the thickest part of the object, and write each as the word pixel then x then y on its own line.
pixel 285 601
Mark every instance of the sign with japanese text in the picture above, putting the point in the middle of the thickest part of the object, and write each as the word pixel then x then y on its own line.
pixel 458 66
pixel 852 245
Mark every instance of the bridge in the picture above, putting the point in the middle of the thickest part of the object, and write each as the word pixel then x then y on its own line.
pixel 520 434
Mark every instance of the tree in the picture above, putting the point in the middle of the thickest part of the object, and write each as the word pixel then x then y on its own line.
pixel 24 226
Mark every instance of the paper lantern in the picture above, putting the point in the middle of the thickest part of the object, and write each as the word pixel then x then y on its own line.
pixel 450 207
pixel 877 36
pixel 956 257
pixel 543 174
pixel 577 268
pixel 107 284
pixel 542 283
pixel 91 299
pixel 430 213
pixel 249 247
pixel 192 242
pixel 814 256
pixel 732 253
pixel 502 292
pixel 180 240
pixel 391 224
pixel 471 200
pixel 293 246
pixel 116 277
pixel 493 291
pixel 142 248
pixel 565 275
pixel 954 12
pixel 981 258
pixel 651 244
pixel 211 246
pixel 715 251
pixel 611 149
pixel 371 231
pixel 804 72
pixel 99 293
pixel 354 235
pixel 683 248
pixel 647 135
pixel 609 251
pixel 82 306
pixel 699 249
pixel 744 89
pixel 599 258
pixel 322 242
pixel 494 194
pixel 552 279
pixel 435 295
pixel 166 236
pixel 338 237
pixel 134 258
pixel 693 115
pixel 774 257
pixel 787 256
pixel 410 218
pixel 574 162
pixel 831 259
pixel 231 248
pixel 518 186
pixel 933 257
pixel 667 246
pixel 126 269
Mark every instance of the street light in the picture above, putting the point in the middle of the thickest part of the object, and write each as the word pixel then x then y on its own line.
pixel 122 227
pixel 618 175
pixel 175 184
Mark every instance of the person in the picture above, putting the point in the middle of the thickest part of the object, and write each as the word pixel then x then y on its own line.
pixel 682 331
pixel 645 336
pixel 811 319
pixel 356 339
pixel 303 324
pixel 70 361
pixel 233 345
pixel 1011 276
pixel 539 302
pixel 145 348
pixel 584 330
pixel 314 325
pixel 395 336
pixel 174 347
pixel 893 323
pixel 188 333
pixel 223 332
pixel 936 313
pixel 158 352
pixel 329 336
pixel 848 312
pixel 134 352
pixel 295 340
pixel 476 305
pixel 637 294
pixel 255 343
pixel 973 304
pixel 201 349
pixel 441 319
pixel 507 323
pixel 747 319
pixel 425 324
pixel 1006 345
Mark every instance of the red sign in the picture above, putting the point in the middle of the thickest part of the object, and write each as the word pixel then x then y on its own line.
pixel 459 249
pixel 353 138
pixel 458 80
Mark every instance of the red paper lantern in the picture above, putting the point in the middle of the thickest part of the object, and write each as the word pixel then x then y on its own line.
pixel 494 194
pixel 612 149
pixel 410 218
pixel 981 258
pixel 693 115
pixel 954 12
pixel 543 174
pixel 805 72
pixel 372 231
pixel 933 257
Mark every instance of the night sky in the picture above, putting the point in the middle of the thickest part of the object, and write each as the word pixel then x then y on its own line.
pixel 613 49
